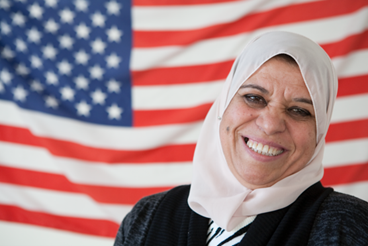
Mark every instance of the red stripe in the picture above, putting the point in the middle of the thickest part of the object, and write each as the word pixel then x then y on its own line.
pixel 95 227
pixel 170 116
pixel 345 174
pixel 50 181
pixel 353 85
pixel 176 2
pixel 170 153
pixel 277 16
pixel 347 130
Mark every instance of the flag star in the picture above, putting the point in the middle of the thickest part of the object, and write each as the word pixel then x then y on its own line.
pixel 96 72
pixel 83 108
pixel 49 52
pixel 113 60
pixel 98 46
pixel 81 82
pixel 35 11
pixel 82 31
pixel 36 86
pixel 51 3
pixel 66 16
pixel 113 8
pixel 20 45
pixel 22 70
pixel 36 62
pixel 81 57
pixel 98 97
pixel 67 93
pixel 64 67
pixel 114 34
pixel 34 35
pixel 51 78
pixel 4 4
pixel 7 53
pixel 18 19
pixel 20 93
pixel 5 76
pixel 66 41
pixel 81 5
pixel 98 19
pixel 51 102
pixel 113 86
pixel 51 26
pixel 114 112
pixel 5 28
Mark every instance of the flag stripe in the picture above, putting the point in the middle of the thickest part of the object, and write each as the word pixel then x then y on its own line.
pixel 177 2
pixel 345 174
pixel 347 130
pixel 350 86
pixel 358 189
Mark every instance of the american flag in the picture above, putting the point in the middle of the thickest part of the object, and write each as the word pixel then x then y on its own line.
pixel 101 102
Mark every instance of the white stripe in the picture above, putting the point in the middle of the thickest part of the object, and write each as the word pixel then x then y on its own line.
pixel 354 64
pixel 55 202
pixel 358 189
pixel 350 108
pixel 175 96
pixel 118 138
pixel 227 48
pixel 346 152
pixel 198 16
pixel 116 175
pixel 43 236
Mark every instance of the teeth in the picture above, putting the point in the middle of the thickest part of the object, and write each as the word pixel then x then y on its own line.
pixel 263 149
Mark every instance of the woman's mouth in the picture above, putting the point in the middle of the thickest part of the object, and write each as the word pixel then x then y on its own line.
pixel 263 149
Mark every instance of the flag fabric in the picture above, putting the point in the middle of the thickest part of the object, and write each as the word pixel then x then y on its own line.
pixel 101 102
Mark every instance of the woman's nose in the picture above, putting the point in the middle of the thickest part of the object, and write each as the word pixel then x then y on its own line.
pixel 271 121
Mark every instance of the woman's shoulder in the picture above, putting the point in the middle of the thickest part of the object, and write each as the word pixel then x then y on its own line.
pixel 341 220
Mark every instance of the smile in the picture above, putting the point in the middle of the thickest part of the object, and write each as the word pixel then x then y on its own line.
pixel 263 149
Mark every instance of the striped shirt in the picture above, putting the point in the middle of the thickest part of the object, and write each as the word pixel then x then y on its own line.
pixel 217 236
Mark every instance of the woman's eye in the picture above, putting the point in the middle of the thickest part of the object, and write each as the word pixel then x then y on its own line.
pixel 299 112
pixel 255 101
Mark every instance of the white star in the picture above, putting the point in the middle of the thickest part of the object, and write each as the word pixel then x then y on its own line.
pixel 18 19
pixel 96 72
pixel 22 70
pixel 114 34
pixel 98 97
pixel 64 67
pixel 98 19
pixel 98 46
pixel 51 78
pixel 66 41
pixel 113 60
pixel 5 76
pixel 2 88
pixel 5 28
pixel 51 26
pixel 114 112
pixel 113 7
pixel 81 5
pixel 4 4
pixel 113 86
pixel 83 108
pixel 67 93
pixel 81 57
pixel 20 45
pixel 36 86
pixel 35 11
pixel 20 93
pixel 66 16
pixel 7 53
pixel 81 82
pixel 36 62
pixel 49 52
pixel 82 31
pixel 51 3
pixel 34 35
pixel 51 102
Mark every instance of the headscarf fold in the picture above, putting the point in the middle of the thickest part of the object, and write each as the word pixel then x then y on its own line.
pixel 215 192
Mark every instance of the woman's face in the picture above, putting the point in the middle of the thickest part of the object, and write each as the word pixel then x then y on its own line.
pixel 268 131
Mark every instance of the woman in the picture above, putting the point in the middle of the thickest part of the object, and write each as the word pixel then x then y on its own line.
pixel 258 161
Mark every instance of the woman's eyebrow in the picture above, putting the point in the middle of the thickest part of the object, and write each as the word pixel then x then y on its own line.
pixel 303 100
pixel 260 88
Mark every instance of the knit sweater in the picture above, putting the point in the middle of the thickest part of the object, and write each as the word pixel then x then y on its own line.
pixel 338 219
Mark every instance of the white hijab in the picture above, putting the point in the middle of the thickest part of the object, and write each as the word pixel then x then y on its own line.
pixel 215 192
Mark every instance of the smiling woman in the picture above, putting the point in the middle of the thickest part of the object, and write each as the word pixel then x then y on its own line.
pixel 258 161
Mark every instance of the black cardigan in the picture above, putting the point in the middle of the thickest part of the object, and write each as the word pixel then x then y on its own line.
pixel 318 217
